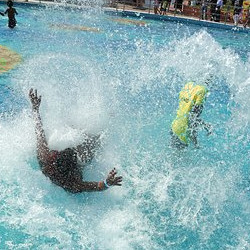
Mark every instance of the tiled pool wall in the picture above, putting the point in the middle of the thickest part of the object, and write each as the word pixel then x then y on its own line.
pixel 178 20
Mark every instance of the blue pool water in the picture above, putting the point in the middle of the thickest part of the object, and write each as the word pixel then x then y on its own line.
pixel 124 82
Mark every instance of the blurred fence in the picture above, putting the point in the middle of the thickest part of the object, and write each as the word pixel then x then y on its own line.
pixel 200 10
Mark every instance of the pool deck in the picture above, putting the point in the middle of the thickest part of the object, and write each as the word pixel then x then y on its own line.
pixel 135 12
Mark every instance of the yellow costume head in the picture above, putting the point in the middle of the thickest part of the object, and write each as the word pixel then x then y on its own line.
pixel 190 96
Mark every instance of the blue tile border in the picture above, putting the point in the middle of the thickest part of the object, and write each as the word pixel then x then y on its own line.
pixel 179 20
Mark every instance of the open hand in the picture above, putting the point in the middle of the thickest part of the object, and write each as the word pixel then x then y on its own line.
pixel 34 99
pixel 112 179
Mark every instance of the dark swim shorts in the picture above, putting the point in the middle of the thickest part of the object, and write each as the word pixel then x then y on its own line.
pixel 12 23
pixel 176 142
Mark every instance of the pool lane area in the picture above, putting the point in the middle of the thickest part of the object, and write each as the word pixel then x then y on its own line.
pixel 119 74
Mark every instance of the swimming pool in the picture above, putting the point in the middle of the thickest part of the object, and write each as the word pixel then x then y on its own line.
pixel 122 78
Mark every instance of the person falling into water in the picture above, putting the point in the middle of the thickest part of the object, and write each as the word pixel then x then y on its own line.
pixel 62 167
pixel 187 122
pixel 11 14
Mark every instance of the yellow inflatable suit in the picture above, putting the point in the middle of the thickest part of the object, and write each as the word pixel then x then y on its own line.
pixel 190 96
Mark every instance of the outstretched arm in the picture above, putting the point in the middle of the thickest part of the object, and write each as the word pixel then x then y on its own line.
pixel 112 180
pixel 42 145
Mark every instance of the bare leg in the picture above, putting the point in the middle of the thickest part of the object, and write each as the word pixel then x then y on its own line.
pixel 193 137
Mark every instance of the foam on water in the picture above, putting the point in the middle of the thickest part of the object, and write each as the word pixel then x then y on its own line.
pixel 195 199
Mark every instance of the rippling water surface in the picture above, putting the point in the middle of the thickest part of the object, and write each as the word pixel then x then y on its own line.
pixel 122 79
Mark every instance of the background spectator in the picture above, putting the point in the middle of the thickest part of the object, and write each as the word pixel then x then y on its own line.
pixel 218 7
pixel 204 4
pixel 247 21
pixel 156 6
pixel 237 13
pixel 212 9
